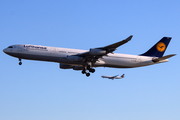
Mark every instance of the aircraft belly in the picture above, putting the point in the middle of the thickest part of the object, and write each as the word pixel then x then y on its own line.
pixel 44 56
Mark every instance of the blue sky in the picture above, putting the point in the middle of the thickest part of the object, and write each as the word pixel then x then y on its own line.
pixel 41 91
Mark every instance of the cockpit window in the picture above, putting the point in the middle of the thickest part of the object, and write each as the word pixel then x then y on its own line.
pixel 10 47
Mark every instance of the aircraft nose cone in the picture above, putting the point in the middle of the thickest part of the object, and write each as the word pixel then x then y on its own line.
pixel 5 50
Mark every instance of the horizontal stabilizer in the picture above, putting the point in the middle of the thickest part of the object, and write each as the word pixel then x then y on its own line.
pixel 163 58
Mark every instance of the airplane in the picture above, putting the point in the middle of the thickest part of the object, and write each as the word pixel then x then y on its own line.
pixel 86 60
pixel 113 77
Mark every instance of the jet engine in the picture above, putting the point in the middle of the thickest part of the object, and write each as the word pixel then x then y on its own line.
pixel 65 66
pixel 74 58
pixel 95 51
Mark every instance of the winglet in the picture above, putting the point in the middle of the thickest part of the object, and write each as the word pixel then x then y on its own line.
pixel 129 38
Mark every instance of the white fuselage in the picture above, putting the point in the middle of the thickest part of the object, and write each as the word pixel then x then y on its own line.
pixel 59 55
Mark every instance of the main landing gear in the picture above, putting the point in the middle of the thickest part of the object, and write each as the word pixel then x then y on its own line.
pixel 90 70
pixel 20 63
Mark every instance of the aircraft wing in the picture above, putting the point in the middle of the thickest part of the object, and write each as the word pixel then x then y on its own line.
pixel 115 45
pixel 95 53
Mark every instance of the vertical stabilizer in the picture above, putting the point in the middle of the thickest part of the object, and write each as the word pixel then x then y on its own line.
pixel 159 48
pixel 122 76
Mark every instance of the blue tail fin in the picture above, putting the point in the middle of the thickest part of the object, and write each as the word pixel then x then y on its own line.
pixel 159 48
pixel 122 75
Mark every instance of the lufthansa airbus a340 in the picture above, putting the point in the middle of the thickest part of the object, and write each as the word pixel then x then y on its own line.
pixel 86 60
pixel 113 77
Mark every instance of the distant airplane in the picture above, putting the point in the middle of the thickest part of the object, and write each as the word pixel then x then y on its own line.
pixel 86 60
pixel 113 77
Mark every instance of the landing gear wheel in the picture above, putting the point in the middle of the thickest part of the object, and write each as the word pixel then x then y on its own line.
pixel 87 74
pixel 88 67
pixel 20 63
pixel 83 72
pixel 92 70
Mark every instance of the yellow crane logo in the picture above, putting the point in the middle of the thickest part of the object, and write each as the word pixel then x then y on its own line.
pixel 161 47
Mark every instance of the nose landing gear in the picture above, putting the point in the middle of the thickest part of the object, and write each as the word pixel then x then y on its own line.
pixel 20 63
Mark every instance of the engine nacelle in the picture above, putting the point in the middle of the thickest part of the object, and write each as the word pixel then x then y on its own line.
pixel 65 66
pixel 74 58
pixel 77 68
pixel 97 51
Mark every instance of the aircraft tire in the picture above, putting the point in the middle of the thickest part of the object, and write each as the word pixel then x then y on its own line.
pixel 88 67
pixel 83 72
pixel 20 63
pixel 92 70
pixel 87 74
